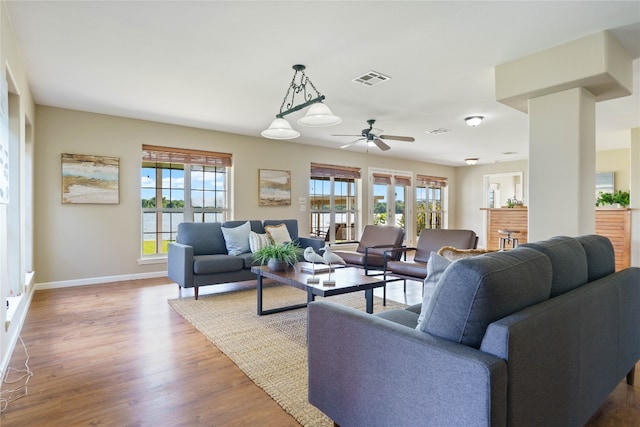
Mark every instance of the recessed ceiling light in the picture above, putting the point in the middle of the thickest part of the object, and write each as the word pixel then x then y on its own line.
pixel 509 153
pixel 471 160
pixel 473 120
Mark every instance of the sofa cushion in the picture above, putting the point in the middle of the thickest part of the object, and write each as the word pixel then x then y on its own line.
pixel 205 237
pixel 210 264
pixel 258 241
pixel 568 260
pixel 474 292
pixel 237 239
pixel 601 260
pixel 435 267
pixel 278 233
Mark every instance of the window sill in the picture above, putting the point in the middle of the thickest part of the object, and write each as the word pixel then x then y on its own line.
pixel 160 259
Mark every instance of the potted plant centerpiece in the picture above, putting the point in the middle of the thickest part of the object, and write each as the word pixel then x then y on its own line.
pixel 619 198
pixel 277 257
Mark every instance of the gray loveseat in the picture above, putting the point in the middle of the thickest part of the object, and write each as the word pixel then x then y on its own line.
pixel 535 336
pixel 199 256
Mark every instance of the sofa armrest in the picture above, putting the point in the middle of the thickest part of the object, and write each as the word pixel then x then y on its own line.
pixel 180 264
pixel 364 370
pixel 316 243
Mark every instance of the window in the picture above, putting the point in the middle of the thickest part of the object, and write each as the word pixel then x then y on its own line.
pixel 179 185
pixel 429 202
pixel 333 202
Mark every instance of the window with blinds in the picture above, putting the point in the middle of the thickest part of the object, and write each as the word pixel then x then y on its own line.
pixel 180 185
pixel 429 201
pixel 333 201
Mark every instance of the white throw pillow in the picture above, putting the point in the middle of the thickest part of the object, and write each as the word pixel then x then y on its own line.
pixel 435 267
pixel 237 239
pixel 258 241
pixel 278 233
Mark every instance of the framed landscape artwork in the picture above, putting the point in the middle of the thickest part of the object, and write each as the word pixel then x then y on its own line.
pixel 274 187
pixel 90 179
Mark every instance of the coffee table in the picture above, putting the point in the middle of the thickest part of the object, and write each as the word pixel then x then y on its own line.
pixel 347 280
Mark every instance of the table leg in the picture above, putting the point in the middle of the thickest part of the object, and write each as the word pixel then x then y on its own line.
pixel 310 295
pixel 262 312
pixel 259 279
pixel 368 294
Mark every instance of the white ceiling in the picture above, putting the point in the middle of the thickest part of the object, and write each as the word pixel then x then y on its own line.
pixel 226 65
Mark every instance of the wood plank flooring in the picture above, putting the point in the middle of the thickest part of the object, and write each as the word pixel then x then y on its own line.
pixel 117 355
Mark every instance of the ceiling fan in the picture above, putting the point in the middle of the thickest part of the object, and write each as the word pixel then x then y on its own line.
pixel 372 138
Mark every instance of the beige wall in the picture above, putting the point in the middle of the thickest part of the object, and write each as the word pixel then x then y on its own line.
pixel 470 193
pixel 89 243
pixel 617 161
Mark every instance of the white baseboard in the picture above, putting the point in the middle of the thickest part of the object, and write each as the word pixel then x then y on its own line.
pixel 99 280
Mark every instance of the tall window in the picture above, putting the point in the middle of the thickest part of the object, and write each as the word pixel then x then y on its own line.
pixel 429 202
pixel 333 202
pixel 179 185
pixel 390 196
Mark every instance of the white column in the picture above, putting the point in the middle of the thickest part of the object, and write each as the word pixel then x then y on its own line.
pixel 559 87
pixel 561 164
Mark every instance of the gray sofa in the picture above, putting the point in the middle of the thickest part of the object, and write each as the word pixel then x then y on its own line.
pixel 535 336
pixel 199 256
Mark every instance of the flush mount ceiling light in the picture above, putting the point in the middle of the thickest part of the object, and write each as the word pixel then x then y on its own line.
pixel 471 160
pixel 318 114
pixel 473 120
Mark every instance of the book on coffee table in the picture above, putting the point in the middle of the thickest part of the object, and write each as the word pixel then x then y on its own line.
pixel 307 267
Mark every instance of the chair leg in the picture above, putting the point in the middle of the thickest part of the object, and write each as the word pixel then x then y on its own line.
pixel 195 291
pixel 631 375
pixel 384 295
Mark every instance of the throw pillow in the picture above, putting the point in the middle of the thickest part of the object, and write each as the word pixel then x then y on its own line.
pixel 237 239
pixel 278 233
pixel 452 254
pixel 258 241
pixel 435 267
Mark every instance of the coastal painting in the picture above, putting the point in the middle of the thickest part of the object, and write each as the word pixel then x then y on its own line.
pixel 274 187
pixel 90 179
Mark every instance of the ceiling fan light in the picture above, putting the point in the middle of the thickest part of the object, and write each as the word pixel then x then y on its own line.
pixel 471 161
pixel 280 129
pixel 473 120
pixel 319 115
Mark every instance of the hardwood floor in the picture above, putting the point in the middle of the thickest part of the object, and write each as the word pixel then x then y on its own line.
pixel 116 354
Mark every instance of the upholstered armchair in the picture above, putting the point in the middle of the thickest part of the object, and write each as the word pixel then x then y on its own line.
pixel 430 240
pixel 370 253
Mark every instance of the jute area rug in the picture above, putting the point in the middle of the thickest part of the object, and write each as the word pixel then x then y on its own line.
pixel 271 350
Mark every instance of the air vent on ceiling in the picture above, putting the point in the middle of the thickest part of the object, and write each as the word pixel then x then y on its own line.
pixel 438 131
pixel 371 78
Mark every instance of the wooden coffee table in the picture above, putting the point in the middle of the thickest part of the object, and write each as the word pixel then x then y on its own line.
pixel 347 280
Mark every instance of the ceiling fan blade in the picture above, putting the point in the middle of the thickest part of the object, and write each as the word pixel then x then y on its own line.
pixel 381 145
pixel 333 134
pixel 351 143
pixel 398 138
